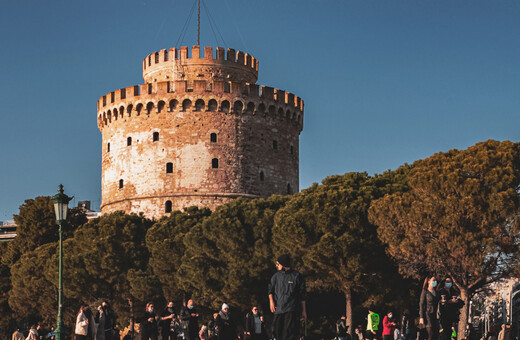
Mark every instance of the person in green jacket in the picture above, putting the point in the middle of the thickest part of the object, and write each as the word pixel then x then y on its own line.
pixel 372 323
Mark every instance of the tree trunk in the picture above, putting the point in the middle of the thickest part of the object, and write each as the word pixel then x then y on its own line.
pixel 464 313
pixel 348 310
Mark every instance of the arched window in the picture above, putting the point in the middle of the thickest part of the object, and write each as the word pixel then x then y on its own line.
pixel 213 137
pixel 121 184
pixel 275 144
pixel 212 105
pixel 186 104
pixel 173 104
pixel 149 107
pixel 289 190
pixel 262 176
pixel 122 111
pixel 261 108
pixel 199 105
pixel 238 106
pixel 138 108
pixel 156 136
pixel 169 168
pixel 168 207
pixel 108 147
pixel 129 110
pixel 224 107
pixel 129 141
pixel 156 57
pixel 160 106
pixel 214 163
pixel 250 108
pixel 280 112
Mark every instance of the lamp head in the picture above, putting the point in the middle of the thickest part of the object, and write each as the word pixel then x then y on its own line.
pixel 61 205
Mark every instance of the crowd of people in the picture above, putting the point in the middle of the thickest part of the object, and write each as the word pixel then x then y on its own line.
pixel 439 311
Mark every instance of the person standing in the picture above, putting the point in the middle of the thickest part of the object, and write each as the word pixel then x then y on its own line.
pixel 225 325
pixel 167 322
pixel 110 320
pixel 388 326
pixel 149 328
pixel 255 328
pixel 17 335
pixel 358 333
pixel 449 308
pixel 286 296
pixel 428 306
pixel 84 329
pixel 33 333
pixel 406 325
pixel 190 320
pixel 372 323
pixel 342 329
pixel 212 328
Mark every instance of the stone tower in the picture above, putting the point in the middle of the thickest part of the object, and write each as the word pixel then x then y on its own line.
pixel 199 131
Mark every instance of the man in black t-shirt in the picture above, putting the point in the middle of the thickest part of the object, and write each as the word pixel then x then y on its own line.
pixel 286 297
pixel 168 318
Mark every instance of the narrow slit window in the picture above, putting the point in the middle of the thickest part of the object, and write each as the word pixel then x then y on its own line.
pixel 262 176
pixel 289 190
pixel 108 147
pixel 169 168
pixel 129 141
pixel 121 184
pixel 156 136
pixel 214 163
pixel 275 145
pixel 213 137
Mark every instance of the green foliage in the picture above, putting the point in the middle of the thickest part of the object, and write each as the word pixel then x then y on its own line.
pixel 33 296
pixel 37 226
pixel 326 231
pixel 104 258
pixel 228 256
pixel 460 217
pixel 165 241
pixel 7 321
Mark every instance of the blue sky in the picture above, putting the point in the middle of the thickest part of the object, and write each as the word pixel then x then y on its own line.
pixel 384 82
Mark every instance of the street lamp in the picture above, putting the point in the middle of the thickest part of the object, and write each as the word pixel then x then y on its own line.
pixel 61 206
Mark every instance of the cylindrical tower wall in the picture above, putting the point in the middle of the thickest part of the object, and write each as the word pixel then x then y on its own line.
pixel 172 144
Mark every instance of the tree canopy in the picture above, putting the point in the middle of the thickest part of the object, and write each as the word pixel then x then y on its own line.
pixel 459 218
pixel 228 256
pixel 326 230
pixel 165 241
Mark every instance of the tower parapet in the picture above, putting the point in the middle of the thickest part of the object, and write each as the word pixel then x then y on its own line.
pixel 178 64
pixel 199 131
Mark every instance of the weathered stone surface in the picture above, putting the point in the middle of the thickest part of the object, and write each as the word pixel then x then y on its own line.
pixel 185 101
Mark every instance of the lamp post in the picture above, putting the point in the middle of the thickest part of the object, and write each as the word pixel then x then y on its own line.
pixel 61 205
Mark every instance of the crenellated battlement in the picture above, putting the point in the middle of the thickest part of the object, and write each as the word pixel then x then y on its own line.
pixel 200 87
pixel 200 64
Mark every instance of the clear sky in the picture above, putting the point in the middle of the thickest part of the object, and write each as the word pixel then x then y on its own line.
pixel 384 81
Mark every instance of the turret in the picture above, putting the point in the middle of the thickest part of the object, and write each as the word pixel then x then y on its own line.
pixel 178 64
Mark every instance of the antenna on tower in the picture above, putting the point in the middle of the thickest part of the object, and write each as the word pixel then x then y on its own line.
pixel 198 26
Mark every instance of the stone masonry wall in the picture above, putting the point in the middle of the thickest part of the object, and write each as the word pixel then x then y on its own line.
pixel 251 131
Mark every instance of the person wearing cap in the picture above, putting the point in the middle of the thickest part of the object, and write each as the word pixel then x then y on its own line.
pixel 225 325
pixel 286 297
